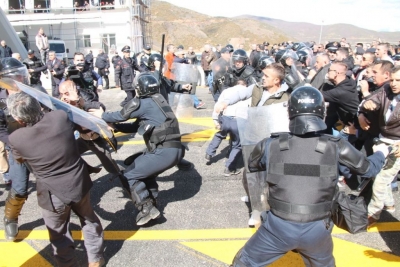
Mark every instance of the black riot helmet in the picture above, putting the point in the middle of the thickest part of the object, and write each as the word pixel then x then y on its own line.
pixel 396 57
pixel 282 55
pixel 239 55
pixel 230 48
pixel 264 61
pixel 298 46
pixel 147 85
pixel 152 59
pixel 306 108
pixel 302 56
pixel 14 69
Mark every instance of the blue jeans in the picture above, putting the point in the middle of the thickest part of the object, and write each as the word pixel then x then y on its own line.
pixel 196 100
pixel 19 175
pixel 210 81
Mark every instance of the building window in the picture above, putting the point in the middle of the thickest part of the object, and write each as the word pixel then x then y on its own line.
pixel 86 41
pixel 108 42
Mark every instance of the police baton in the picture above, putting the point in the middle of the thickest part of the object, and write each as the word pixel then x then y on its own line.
pixel 162 58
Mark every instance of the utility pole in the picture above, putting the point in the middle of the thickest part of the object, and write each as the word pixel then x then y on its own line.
pixel 320 33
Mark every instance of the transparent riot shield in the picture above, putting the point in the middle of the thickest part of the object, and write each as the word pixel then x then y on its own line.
pixel 254 125
pixel 219 68
pixel 184 73
pixel 182 105
pixel 76 115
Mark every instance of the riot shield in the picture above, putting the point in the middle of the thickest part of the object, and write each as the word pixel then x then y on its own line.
pixel 255 124
pixel 76 115
pixel 219 68
pixel 184 73
pixel 181 105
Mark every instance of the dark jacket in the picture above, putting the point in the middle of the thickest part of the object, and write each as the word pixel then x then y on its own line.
pixel 125 70
pixel 191 57
pixel 37 66
pixel 59 67
pixel 345 97
pixel 5 51
pixel 206 59
pixel 115 59
pixel 319 79
pixel 383 98
pixel 102 61
pixel 57 165
pixel 89 60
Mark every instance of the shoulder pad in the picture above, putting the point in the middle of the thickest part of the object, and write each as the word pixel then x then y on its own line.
pixel 248 71
pixel 130 107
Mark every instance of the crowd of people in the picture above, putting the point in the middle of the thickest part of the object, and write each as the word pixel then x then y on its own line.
pixel 339 99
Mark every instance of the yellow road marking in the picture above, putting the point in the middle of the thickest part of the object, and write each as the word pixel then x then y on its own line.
pixel 361 256
pixel 200 234
pixel 20 254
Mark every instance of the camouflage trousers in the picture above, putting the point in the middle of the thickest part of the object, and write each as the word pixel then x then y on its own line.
pixel 382 191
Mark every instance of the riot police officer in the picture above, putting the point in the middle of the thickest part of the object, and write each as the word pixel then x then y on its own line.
pixel 125 70
pixel 160 130
pixel 239 70
pixel 263 62
pixel 35 67
pixel 293 78
pixel 143 57
pixel 303 59
pixel 300 207
pixel 84 78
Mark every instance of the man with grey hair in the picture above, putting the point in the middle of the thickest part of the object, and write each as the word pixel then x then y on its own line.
pixel 63 182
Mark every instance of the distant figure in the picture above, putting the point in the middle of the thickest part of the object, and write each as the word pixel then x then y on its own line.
pixel 5 51
pixel 42 44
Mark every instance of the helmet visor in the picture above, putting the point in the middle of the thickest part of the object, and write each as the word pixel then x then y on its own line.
pixel 19 74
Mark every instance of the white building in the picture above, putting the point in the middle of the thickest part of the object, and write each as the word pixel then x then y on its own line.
pixel 83 25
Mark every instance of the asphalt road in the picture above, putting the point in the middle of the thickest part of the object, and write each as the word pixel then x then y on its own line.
pixel 203 221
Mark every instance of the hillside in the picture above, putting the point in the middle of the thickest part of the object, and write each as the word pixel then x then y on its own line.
pixel 189 28
pixel 310 32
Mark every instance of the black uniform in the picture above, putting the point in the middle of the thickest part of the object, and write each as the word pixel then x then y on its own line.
pixel 89 60
pixel 125 70
pixel 301 189
pixel 37 66
pixel 245 74
pixel 103 65
pixel 160 129
pixel 114 60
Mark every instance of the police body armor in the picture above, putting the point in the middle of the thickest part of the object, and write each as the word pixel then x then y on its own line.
pixel 301 189
pixel 234 76
pixel 166 135
pixel 85 84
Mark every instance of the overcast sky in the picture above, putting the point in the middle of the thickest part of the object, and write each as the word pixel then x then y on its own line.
pixel 379 15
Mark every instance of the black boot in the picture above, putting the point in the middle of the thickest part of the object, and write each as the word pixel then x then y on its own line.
pixel 144 203
pixel 147 212
pixel 14 203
